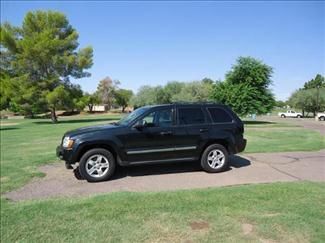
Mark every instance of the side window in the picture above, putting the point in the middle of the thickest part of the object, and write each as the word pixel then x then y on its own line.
pixel 219 115
pixel 164 118
pixel 189 116
pixel 161 118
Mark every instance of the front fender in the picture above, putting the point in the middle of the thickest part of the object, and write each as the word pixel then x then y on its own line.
pixel 83 145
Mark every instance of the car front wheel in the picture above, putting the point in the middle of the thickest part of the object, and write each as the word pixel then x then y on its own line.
pixel 97 165
pixel 322 118
pixel 215 158
pixel 283 116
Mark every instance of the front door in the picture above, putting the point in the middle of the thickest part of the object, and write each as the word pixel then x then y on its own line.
pixel 154 140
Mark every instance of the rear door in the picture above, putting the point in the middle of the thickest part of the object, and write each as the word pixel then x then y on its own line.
pixel 224 125
pixel 193 121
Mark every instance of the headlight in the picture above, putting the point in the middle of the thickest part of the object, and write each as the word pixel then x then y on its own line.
pixel 67 143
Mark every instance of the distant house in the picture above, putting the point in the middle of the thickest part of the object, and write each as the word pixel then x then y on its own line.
pixel 98 108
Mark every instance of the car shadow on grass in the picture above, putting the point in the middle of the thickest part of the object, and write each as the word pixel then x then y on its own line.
pixel 236 162
pixel 8 128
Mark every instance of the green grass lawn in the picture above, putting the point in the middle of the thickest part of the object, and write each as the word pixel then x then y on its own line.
pixel 279 212
pixel 282 212
pixel 280 137
pixel 29 143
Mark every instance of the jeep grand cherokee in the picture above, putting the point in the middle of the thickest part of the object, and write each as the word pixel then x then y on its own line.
pixel 207 133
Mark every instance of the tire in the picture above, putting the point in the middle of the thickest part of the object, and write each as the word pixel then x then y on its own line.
pixel 283 116
pixel 322 118
pixel 97 165
pixel 210 161
pixel 299 116
pixel 77 174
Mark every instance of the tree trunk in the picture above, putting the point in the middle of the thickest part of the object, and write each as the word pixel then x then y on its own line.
pixel 303 113
pixel 90 107
pixel 54 118
pixel 123 109
pixel 109 103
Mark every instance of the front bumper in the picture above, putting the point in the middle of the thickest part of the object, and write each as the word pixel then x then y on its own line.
pixel 66 155
pixel 59 152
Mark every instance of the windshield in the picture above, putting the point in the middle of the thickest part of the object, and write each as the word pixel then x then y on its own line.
pixel 132 116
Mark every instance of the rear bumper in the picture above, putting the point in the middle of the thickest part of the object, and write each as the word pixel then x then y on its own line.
pixel 241 145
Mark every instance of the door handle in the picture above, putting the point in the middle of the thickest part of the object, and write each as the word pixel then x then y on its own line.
pixel 204 129
pixel 166 133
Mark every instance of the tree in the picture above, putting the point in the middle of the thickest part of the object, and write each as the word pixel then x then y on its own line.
pixel 145 96
pixel 57 99
pixel 175 91
pixel 280 103
pixel 197 91
pixel 122 97
pixel 171 89
pixel 42 55
pixel 309 100
pixel 207 81
pixel 75 96
pixel 106 90
pixel 90 100
pixel 246 88
pixel 317 82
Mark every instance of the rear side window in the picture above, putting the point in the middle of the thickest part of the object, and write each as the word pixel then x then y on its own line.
pixel 189 116
pixel 219 115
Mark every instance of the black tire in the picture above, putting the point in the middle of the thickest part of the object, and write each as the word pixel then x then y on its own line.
pixel 322 118
pixel 77 174
pixel 108 158
pixel 283 116
pixel 205 164
pixel 299 116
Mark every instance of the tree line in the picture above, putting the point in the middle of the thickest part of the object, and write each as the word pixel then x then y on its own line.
pixel 40 57
pixel 246 89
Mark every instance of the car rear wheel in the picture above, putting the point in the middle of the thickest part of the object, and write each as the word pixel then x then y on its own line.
pixel 215 158
pixel 322 118
pixel 299 116
pixel 283 116
pixel 97 165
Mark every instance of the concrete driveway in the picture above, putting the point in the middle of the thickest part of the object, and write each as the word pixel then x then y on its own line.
pixel 245 169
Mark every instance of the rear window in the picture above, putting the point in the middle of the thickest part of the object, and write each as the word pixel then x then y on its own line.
pixel 219 115
pixel 189 116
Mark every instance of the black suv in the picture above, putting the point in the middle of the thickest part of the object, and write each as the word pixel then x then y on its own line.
pixel 208 133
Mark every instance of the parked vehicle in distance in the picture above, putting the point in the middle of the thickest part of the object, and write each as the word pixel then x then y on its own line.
pixel 320 116
pixel 208 133
pixel 290 113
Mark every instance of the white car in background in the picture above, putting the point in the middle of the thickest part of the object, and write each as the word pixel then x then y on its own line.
pixel 320 116
pixel 290 113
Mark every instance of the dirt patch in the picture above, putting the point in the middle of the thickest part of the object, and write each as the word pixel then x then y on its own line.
pixel 251 169
pixel 199 225
pixel 267 241
pixel 271 215
pixel 8 124
pixel 247 228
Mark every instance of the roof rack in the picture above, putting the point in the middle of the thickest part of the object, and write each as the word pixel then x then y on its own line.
pixel 195 103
